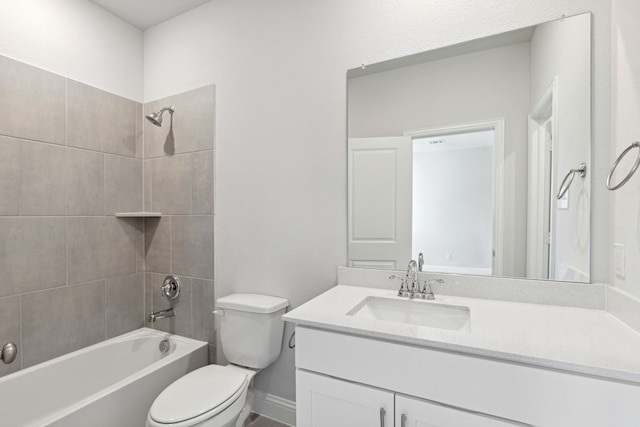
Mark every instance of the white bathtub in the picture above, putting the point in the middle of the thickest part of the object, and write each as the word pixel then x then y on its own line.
pixel 112 383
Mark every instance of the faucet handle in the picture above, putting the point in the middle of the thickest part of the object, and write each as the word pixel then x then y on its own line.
pixel 404 288
pixel 427 292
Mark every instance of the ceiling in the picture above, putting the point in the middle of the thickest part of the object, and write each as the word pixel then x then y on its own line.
pixel 147 13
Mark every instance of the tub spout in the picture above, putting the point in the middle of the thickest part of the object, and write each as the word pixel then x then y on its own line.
pixel 169 312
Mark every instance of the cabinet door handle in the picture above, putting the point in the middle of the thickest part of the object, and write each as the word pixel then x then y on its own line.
pixel 403 420
pixel 382 414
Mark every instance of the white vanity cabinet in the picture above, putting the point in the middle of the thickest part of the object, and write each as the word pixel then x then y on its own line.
pixel 325 401
pixel 414 412
pixel 349 380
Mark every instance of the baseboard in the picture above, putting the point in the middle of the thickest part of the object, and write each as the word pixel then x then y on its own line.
pixel 275 407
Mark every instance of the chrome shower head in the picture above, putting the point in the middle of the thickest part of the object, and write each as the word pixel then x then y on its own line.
pixel 156 117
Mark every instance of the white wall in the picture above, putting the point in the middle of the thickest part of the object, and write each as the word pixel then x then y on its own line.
pixel 75 39
pixel 478 86
pixel 452 211
pixel 625 206
pixel 279 69
pixel 562 48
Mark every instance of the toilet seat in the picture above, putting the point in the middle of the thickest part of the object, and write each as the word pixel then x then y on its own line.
pixel 198 396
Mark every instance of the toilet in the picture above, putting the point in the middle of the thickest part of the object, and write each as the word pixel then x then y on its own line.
pixel 251 330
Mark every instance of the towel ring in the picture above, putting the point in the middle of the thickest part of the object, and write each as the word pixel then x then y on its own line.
pixel 635 144
pixel 564 187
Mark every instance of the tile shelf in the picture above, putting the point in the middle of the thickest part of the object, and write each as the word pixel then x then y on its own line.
pixel 138 214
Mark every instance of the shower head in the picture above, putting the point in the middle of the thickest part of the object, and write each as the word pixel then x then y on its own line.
pixel 156 117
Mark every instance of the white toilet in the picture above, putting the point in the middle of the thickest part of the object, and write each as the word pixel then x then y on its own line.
pixel 251 330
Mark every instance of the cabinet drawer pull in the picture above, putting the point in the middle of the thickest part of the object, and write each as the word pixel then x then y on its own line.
pixel 382 414
pixel 403 420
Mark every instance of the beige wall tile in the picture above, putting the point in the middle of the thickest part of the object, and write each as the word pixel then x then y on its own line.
pixel 192 128
pixel 125 304
pixel 100 121
pixel 202 182
pixel 120 240
pixel 9 176
pixel 148 189
pixel 86 248
pixel 192 245
pixel 85 183
pixel 158 245
pixel 202 318
pixel 32 102
pixel 171 185
pixel 32 254
pixel 123 184
pixel 139 132
pixel 75 319
pixel 43 179
pixel 10 331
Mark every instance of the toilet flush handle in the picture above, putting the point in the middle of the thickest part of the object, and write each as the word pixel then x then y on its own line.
pixel 218 312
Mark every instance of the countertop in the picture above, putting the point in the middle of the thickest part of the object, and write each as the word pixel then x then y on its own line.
pixel 578 340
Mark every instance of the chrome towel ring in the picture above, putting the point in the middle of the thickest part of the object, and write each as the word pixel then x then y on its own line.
pixel 564 187
pixel 635 144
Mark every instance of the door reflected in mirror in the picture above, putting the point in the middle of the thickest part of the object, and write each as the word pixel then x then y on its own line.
pixel 458 154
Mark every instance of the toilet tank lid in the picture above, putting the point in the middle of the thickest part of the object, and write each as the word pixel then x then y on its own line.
pixel 254 303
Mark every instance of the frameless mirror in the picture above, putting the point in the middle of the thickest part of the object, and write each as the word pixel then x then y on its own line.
pixel 470 155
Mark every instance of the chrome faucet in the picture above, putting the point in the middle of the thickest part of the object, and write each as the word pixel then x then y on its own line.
pixel 413 290
pixel 162 314
pixel 412 277
pixel 409 285
pixel 427 292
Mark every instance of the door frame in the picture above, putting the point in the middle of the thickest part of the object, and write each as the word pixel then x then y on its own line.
pixel 497 125
pixel 540 260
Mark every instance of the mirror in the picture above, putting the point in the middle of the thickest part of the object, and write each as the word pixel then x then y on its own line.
pixel 460 154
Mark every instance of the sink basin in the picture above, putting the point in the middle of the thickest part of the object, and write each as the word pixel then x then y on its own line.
pixel 413 312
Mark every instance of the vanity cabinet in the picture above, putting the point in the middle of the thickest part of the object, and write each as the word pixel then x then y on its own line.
pixel 413 412
pixel 325 401
pixel 350 380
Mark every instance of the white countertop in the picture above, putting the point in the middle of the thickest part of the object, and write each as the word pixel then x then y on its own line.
pixel 573 339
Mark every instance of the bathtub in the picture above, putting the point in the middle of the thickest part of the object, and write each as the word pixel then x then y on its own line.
pixel 112 383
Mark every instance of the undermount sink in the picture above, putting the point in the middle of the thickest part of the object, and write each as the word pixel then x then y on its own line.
pixel 413 312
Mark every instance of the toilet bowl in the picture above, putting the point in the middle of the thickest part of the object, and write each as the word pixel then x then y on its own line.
pixel 212 396
pixel 251 330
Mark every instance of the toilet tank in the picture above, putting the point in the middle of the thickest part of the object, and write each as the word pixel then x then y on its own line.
pixel 251 328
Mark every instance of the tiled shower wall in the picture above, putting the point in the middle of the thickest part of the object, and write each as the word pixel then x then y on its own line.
pixel 178 182
pixel 70 157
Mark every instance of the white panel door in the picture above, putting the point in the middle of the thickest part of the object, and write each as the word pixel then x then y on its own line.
pixel 328 402
pixel 380 191
pixel 413 412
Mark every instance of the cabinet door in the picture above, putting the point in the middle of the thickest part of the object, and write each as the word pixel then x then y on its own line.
pixel 328 402
pixel 412 412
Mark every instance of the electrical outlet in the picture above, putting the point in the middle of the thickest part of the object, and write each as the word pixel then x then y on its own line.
pixel 618 249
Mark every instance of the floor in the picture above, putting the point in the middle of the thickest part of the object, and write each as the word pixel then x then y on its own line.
pixel 256 420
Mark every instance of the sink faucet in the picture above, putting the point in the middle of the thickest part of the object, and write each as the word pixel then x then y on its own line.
pixel 412 277
pixel 420 261
pixel 169 312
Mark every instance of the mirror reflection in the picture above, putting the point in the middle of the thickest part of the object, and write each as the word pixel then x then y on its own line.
pixel 459 154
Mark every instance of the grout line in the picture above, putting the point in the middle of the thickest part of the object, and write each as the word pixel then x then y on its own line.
pixel 66 245
pixel 20 177
pixel 21 334
pixel 104 182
